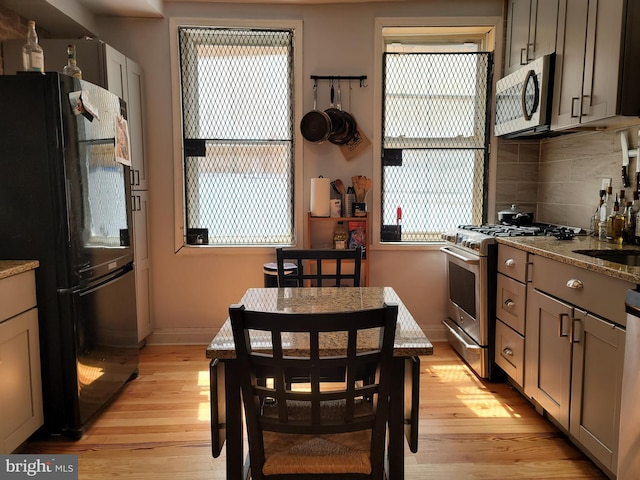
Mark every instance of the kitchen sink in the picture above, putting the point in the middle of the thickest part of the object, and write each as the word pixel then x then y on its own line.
pixel 624 257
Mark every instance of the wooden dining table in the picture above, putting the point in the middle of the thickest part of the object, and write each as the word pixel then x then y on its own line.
pixel 410 343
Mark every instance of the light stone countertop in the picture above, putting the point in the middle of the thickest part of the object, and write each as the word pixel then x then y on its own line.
pixel 563 251
pixel 9 268
pixel 410 339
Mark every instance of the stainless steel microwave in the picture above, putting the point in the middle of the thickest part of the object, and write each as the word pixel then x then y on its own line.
pixel 523 100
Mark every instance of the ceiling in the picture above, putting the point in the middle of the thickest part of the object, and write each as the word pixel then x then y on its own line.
pixel 154 8
pixel 77 18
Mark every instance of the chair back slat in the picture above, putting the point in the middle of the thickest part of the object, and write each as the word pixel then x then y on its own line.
pixel 319 267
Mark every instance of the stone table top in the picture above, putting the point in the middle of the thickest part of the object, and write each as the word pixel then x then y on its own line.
pixel 9 268
pixel 563 251
pixel 410 340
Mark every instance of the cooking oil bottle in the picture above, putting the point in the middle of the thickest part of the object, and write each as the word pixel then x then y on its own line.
pixel 615 224
pixel 340 236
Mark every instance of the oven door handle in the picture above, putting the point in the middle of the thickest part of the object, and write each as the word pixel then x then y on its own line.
pixel 470 261
pixel 467 345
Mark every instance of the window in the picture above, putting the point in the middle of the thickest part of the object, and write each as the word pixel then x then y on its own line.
pixel 435 140
pixel 238 130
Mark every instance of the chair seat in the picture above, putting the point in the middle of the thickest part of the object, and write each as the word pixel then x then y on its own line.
pixel 311 454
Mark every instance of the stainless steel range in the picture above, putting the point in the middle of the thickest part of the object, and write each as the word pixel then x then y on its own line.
pixel 471 253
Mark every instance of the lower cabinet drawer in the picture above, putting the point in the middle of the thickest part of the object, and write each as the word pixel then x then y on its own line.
pixel 511 298
pixel 510 352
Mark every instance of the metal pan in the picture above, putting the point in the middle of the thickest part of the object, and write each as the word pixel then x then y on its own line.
pixel 338 125
pixel 341 138
pixel 316 125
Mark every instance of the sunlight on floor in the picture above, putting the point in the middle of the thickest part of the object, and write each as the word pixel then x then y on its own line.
pixel 475 396
pixel 204 412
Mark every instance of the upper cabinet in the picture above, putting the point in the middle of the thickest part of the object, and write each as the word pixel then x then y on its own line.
pixel 587 61
pixel 531 31
pixel 596 45
pixel 595 66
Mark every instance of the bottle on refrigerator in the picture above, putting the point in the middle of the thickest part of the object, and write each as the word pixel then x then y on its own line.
pixel 32 53
pixel 71 68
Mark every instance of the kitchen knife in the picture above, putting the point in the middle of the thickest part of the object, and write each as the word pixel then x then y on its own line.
pixel 638 168
pixel 624 142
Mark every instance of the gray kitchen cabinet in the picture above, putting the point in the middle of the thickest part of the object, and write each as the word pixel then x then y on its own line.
pixel 531 31
pixel 511 312
pixel 548 355
pixel 142 264
pixel 575 353
pixel 21 392
pixel 596 386
pixel 588 62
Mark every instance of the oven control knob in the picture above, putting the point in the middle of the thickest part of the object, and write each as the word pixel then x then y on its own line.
pixel 449 237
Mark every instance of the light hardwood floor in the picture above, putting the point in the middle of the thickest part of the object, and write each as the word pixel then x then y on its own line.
pixel 158 427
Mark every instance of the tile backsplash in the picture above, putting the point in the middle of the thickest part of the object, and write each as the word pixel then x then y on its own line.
pixel 560 177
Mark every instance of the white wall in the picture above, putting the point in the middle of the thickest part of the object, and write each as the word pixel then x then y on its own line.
pixel 191 293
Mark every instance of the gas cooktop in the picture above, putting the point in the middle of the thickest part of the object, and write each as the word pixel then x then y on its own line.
pixel 535 229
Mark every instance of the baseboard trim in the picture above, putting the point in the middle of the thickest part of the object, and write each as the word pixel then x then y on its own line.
pixel 182 336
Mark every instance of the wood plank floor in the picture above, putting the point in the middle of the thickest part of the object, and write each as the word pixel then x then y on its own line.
pixel 158 427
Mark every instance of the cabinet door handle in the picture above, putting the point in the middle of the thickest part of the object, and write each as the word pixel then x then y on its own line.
pixel 561 318
pixel 573 328
pixel 573 103
pixel 575 284
pixel 509 303
pixel 507 351
pixel 510 262
pixel 523 56
pixel 584 111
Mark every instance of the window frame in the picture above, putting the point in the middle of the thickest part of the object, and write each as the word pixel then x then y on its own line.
pixel 180 245
pixel 493 28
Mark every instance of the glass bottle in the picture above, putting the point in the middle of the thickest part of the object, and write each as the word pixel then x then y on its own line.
pixel 630 221
pixel 604 214
pixel 71 68
pixel 637 227
pixel 615 224
pixel 340 237
pixel 32 53
pixel 595 219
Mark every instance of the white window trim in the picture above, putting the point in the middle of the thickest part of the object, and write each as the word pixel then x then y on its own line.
pixel 379 47
pixel 176 101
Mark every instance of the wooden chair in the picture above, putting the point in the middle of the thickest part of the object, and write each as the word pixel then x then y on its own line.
pixel 320 432
pixel 329 267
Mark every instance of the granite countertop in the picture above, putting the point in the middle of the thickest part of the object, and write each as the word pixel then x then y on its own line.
pixel 9 268
pixel 563 251
pixel 410 339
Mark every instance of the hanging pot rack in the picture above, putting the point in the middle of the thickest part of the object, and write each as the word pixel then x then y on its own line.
pixel 360 78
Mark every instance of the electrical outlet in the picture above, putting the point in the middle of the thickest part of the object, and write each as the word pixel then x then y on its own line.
pixel 606 183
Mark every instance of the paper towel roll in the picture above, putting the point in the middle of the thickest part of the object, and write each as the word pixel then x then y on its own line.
pixel 320 196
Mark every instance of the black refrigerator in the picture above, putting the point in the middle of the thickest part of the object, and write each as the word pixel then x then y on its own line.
pixel 65 200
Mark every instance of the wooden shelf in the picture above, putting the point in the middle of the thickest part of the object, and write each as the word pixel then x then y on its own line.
pixel 311 221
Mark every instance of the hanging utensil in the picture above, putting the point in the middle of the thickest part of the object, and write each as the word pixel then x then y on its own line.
pixel 337 120
pixel 349 124
pixel 316 125
pixel 358 142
